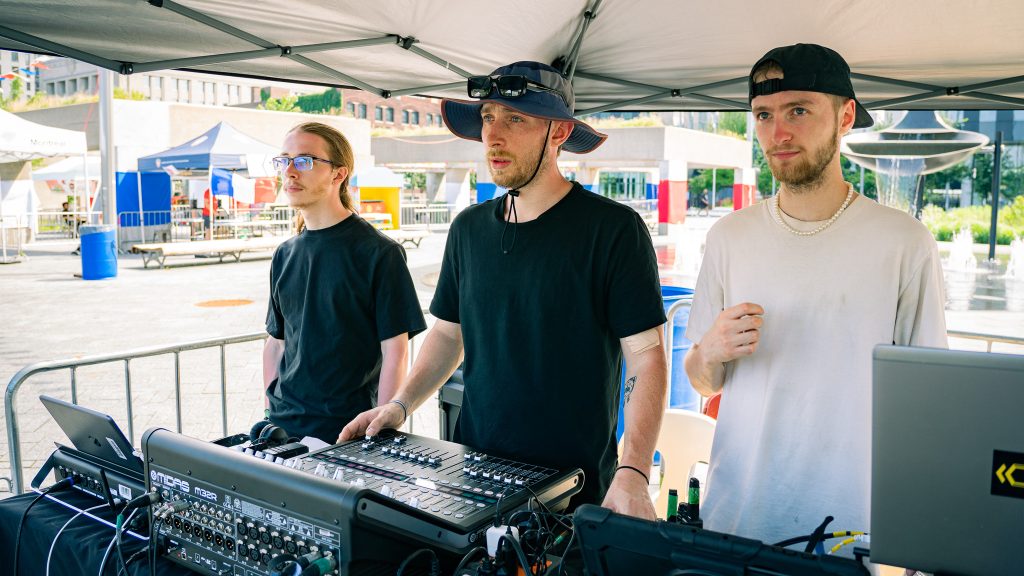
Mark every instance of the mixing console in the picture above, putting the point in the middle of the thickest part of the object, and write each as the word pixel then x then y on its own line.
pixel 443 479
pixel 356 504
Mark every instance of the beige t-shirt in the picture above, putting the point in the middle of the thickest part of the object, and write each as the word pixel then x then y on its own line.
pixel 793 441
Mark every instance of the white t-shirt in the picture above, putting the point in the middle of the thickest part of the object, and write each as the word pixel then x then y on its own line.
pixel 793 440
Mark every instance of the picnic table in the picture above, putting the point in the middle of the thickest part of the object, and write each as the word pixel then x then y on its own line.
pixel 158 252
pixel 403 236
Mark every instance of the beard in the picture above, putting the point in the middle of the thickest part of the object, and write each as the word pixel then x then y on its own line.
pixel 808 171
pixel 519 170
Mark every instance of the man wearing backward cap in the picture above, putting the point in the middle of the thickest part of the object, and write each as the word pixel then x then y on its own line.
pixel 793 295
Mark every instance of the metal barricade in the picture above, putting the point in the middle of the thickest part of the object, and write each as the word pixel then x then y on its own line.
pixel 11 236
pixel 989 339
pixel 72 365
pixel 647 209
pixel 426 215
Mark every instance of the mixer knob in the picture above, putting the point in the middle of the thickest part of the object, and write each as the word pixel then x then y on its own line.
pixel 414 502
pixel 479 457
pixel 467 456
pixel 519 482
pixel 339 475
pixel 321 470
pixel 474 473
pixel 366 445
pixel 421 458
pixel 466 469
pixel 386 491
pixel 403 454
pixel 432 461
pixel 496 477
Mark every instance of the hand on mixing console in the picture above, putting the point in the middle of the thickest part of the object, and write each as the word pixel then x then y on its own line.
pixel 372 421
pixel 628 495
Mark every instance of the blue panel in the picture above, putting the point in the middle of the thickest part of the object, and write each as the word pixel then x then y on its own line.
pixel 485 191
pixel 221 182
pixel 156 198
pixel 651 190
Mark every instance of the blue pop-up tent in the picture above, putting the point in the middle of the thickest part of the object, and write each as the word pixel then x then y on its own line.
pixel 222 146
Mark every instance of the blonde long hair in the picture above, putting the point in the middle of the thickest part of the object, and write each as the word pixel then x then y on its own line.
pixel 339 152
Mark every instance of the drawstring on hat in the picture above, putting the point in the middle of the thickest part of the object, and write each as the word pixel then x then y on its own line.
pixel 514 193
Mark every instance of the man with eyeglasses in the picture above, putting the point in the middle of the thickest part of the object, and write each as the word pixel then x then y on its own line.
pixel 342 303
pixel 545 291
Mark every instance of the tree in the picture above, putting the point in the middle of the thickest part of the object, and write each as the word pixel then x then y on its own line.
pixel 17 86
pixel 733 123
pixel 282 104
pixel 326 102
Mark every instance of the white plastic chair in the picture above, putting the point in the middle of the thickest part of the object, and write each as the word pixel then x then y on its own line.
pixel 684 440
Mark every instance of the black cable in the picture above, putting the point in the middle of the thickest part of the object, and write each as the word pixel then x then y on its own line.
pixel 466 558
pixel 435 566
pixel 790 541
pixel 818 535
pixel 65 483
pixel 138 553
pixel 514 193
pixel 561 565
pixel 518 550
pixel 154 542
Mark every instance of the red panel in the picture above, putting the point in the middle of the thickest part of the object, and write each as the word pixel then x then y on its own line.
pixel 672 196
pixel 743 195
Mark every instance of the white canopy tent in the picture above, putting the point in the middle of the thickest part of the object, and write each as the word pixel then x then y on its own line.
pixel 621 54
pixel 21 141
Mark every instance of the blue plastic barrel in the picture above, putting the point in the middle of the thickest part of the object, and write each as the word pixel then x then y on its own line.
pixel 681 394
pixel 99 252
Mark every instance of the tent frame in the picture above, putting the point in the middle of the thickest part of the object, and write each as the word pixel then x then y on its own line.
pixel 567 64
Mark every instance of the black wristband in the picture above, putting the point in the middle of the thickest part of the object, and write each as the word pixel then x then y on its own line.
pixel 637 470
pixel 405 410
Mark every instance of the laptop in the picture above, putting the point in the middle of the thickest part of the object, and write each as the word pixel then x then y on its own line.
pixel 947 476
pixel 93 433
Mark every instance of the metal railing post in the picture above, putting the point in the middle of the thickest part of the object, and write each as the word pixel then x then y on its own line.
pixel 223 390
pixel 177 391
pixel 128 398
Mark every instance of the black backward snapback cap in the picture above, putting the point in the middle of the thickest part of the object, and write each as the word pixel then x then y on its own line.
pixel 810 68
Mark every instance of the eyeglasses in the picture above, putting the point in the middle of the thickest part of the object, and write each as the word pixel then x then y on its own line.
pixel 508 86
pixel 303 163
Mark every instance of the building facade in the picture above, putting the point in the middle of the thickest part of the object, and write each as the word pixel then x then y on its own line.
pixel 400 112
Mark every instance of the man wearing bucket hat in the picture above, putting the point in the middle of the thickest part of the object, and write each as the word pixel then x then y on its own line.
pixel 545 290
pixel 792 296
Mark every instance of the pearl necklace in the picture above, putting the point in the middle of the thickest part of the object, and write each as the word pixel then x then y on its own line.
pixel 778 215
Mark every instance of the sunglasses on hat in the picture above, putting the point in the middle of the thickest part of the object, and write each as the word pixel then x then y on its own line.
pixel 508 86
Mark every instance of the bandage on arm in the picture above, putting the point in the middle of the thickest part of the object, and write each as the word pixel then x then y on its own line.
pixel 643 341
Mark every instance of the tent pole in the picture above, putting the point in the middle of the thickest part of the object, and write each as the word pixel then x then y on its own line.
pixel 142 222
pixel 85 175
pixel 106 128
pixel 3 225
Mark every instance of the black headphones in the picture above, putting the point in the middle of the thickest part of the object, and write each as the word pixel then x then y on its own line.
pixel 267 432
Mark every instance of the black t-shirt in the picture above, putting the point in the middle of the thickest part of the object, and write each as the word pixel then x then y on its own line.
pixel 541 328
pixel 335 295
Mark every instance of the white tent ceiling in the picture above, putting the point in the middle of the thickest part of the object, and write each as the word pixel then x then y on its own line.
pixel 21 140
pixel 634 55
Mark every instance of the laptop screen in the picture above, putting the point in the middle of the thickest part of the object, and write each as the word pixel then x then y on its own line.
pixel 947 478
pixel 94 433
